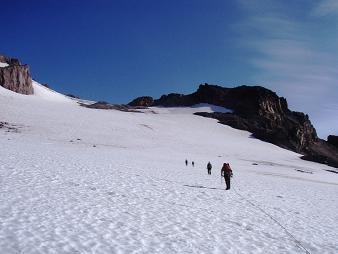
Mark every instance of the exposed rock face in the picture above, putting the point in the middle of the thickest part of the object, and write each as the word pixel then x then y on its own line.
pixel 175 99
pixel 144 101
pixel 261 112
pixel 333 140
pixel 15 77
pixel 322 152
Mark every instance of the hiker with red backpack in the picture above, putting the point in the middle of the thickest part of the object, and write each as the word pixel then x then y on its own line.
pixel 226 172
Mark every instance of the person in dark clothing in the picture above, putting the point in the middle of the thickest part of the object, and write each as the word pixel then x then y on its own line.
pixel 226 172
pixel 209 166
pixel 186 162
pixel 193 164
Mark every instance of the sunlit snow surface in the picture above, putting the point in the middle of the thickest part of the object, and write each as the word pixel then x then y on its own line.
pixel 79 180
pixel 3 64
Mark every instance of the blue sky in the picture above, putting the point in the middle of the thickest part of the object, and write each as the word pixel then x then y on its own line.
pixel 118 50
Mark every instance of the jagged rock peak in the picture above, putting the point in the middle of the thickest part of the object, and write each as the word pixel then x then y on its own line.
pixel 143 101
pixel 9 61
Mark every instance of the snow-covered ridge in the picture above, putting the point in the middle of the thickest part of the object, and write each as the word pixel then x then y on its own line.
pixel 46 93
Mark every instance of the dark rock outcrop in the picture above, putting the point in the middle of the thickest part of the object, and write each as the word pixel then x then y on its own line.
pixel 333 140
pixel 15 77
pixel 322 152
pixel 108 106
pixel 174 99
pixel 46 85
pixel 144 101
pixel 73 96
pixel 261 112
pixel 9 127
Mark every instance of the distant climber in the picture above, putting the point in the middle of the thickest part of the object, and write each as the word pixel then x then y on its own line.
pixel 226 172
pixel 209 166
pixel 186 162
pixel 193 164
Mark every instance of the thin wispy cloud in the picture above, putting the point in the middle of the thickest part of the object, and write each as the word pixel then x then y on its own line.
pixel 291 56
pixel 325 7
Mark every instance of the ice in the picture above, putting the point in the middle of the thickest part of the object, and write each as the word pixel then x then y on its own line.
pixel 80 180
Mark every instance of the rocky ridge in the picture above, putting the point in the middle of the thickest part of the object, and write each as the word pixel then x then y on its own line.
pixel 259 111
pixel 144 101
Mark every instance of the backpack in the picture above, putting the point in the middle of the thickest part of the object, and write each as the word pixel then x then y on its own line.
pixel 227 169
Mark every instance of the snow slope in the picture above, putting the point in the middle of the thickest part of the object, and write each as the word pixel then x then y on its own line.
pixel 79 180
pixel 48 94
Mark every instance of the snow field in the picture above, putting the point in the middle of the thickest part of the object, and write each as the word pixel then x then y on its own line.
pixel 78 180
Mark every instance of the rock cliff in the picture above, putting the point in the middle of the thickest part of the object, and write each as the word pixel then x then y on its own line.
pixel 15 77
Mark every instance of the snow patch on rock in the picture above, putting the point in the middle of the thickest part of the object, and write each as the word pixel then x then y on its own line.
pixel 2 65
